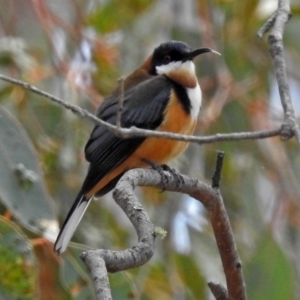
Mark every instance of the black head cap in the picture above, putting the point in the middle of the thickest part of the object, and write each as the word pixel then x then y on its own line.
pixel 173 51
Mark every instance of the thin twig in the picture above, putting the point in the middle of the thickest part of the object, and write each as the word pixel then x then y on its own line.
pixel 120 102
pixel 219 137
pixel 74 108
pixel 137 132
pixel 218 291
pixel 267 26
pixel 277 24
pixel 216 178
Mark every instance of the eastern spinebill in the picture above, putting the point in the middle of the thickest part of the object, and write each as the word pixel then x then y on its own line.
pixel 163 94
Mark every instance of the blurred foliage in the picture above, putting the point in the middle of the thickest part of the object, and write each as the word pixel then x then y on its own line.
pixel 269 274
pixel 114 15
pixel 18 263
pixel 77 50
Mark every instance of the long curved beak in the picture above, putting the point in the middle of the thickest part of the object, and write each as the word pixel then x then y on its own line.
pixel 194 53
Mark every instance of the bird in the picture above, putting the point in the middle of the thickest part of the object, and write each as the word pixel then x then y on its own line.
pixel 163 94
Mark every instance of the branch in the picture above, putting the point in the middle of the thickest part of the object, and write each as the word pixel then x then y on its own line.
pixel 137 132
pixel 99 275
pixel 267 26
pixel 138 255
pixel 276 25
pixel 216 179
pixel 142 252
pixel 218 291
pixel 120 104
pixel 98 261
pixel 225 241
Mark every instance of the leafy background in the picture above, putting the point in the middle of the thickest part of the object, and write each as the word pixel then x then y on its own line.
pixel 77 50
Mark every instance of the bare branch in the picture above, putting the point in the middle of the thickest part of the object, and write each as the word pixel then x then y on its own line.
pixel 141 253
pixel 217 174
pixel 230 258
pixel 219 137
pixel 74 108
pixel 224 237
pixel 218 291
pixel 267 26
pixel 277 24
pixel 120 104
pixel 137 132
pixel 135 256
pixel 99 275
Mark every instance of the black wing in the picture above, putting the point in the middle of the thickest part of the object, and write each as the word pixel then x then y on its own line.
pixel 143 107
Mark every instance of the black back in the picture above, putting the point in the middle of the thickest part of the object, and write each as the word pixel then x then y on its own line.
pixel 143 107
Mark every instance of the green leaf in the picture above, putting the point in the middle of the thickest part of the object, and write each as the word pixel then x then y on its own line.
pixel 22 188
pixel 17 263
pixel 269 274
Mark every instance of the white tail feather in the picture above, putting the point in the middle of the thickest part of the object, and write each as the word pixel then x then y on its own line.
pixel 71 224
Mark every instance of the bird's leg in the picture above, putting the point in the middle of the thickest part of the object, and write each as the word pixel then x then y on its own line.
pixel 165 178
pixel 160 169
pixel 177 175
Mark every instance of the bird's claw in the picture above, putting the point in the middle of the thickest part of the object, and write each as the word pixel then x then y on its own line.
pixel 178 177
pixel 160 169
pixel 165 177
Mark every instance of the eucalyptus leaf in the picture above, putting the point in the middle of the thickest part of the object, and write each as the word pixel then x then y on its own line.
pixel 22 189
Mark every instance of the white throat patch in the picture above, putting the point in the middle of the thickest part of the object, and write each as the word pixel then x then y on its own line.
pixel 194 93
pixel 176 65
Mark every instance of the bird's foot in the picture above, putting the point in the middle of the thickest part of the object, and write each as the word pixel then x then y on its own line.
pixel 178 177
pixel 160 169
pixel 164 177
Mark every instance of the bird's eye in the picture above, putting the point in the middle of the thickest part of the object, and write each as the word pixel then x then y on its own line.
pixel 167 58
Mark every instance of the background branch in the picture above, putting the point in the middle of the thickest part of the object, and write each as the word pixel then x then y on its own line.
pixel 276 25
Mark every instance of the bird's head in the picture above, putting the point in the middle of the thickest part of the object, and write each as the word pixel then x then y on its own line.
pixel 172 56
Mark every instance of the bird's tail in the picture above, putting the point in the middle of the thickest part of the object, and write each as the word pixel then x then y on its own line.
pixel 71 222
